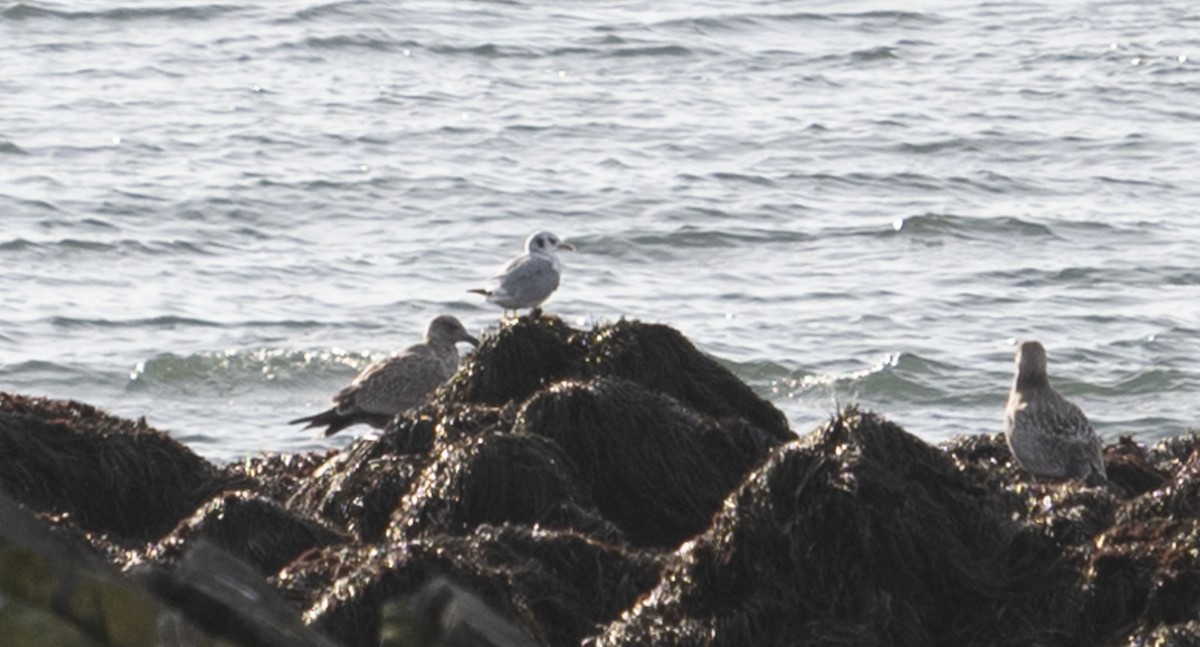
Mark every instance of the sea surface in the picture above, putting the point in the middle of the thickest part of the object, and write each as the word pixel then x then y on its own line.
pixel 212 214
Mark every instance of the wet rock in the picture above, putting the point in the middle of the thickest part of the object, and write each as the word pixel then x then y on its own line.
pixel 1131 468
pixel 110 475
pixel 275 476
pixel 1144 574
pixel 860 534
pixel 555 585
pixel 524 355
pixel 440 424
pixel 495 479
pixel 1068 512
pixel 661 359
pixel 441 613
pixel 230 600
pixel 1145 569
pixel 359 488
pixel 530 353
pixel 53 594
pixel 655 468
pixel 1185 634
pixel 254 529
pixel 611 486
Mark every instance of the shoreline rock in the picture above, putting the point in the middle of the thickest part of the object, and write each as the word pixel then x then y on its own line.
pixel 611 486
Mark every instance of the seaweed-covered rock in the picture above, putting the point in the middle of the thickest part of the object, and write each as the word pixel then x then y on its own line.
pixel 1144 574
pixel 1069 512
pixel 614 483
pixel 54 595
pixel 229 600
pixel 359 488
pixel 111 475
pixel 661 359
pixel 859 535
pixel 1131 468
pixel 655 468
pixel 442 613
pixel 512 364
pixel 275 476
pixel 1184 634
pixel 442 423
pixel 495 479
pixel 556 585
pixel 530 353
pixel 255 529
pixel 1145 569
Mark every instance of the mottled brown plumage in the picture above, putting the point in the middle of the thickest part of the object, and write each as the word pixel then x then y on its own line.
pixel 1049 436
pixel 394 384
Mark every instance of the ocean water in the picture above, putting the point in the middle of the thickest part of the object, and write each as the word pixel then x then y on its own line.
pixel 213 214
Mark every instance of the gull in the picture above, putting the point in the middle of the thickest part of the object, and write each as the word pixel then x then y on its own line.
pixel 397 383
pixel 529 279
pixel 1048 435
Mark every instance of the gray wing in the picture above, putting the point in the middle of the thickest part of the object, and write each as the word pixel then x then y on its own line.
pixel 526 282
pixel 1053 437
pixel 395 384
pixel 1061 417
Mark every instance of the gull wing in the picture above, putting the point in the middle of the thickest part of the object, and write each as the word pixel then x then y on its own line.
pixel 394 384
pixel 527 281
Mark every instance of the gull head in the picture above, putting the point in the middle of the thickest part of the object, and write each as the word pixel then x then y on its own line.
pixel 544 242
pixel 1031 363
pixel 448 330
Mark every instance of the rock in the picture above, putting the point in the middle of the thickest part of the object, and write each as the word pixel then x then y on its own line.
pixel 275 476
pixel 230 600
pixel 52 594
pixel 522 357
pixel 662 360
pixel 612 486
pixel 555 585
pixel 495 479
pixel 655 468
pixel 358 489
pixel 858 535
pixel 441 613
pixel 110 475
pixel 256 530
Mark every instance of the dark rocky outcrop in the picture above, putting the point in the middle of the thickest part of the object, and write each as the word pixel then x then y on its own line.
pixel 256 530
pixel 858 535
pixel 611 486
pixel 495 479
pixel 655 468
pixel 109 475
pixel 662 360
pixel 555 585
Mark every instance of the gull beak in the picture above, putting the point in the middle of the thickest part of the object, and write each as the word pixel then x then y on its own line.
pixel 567 246
pixel 474 341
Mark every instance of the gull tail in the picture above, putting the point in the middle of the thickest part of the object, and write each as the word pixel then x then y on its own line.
pixel 486 293
pixel 330 419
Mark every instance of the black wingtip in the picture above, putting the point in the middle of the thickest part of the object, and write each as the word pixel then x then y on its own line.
pixel 328 417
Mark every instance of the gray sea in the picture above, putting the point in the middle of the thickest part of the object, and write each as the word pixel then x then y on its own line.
pixel 213 214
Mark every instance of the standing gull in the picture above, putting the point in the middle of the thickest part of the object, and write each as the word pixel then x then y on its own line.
pixel 397 383
pixel 1048 435
pixel 529 279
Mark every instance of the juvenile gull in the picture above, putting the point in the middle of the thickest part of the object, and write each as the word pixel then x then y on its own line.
pixel 394 384
pixel 1048 435
pixel 529 279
